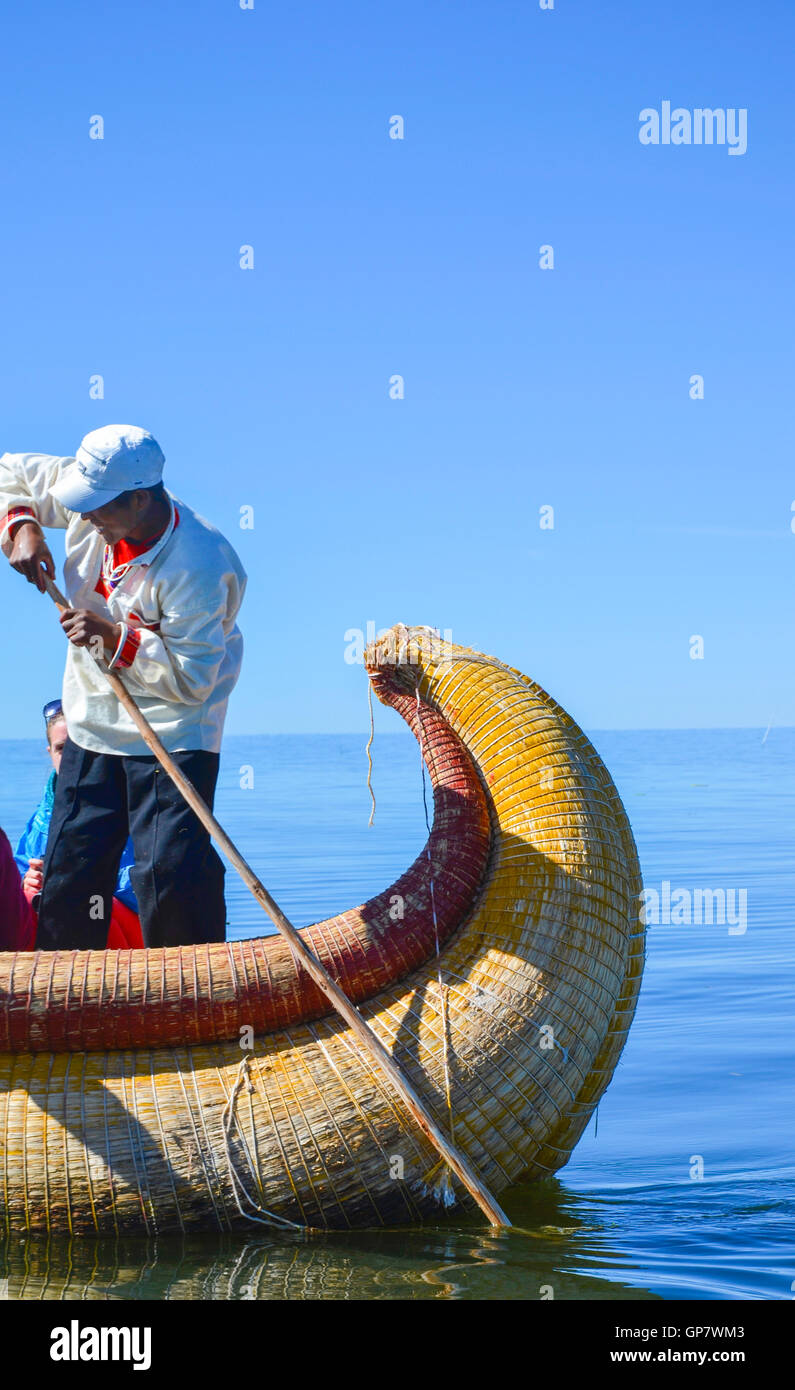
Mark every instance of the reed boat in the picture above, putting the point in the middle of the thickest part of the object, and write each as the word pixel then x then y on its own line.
pixel 211 1087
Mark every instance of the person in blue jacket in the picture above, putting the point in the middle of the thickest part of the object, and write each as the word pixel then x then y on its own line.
pixel 33 841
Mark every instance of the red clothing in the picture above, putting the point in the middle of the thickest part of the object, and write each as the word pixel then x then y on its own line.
pixel 17 918
pixel 122 553
pixel 124 550
pixel 124 932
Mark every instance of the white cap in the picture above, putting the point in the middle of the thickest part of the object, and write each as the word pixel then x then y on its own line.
pixel 110 461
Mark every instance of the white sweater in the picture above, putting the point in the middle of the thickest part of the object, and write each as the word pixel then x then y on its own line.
pixel 180 649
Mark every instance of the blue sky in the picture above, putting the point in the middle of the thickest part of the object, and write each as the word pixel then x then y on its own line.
pixel 373 257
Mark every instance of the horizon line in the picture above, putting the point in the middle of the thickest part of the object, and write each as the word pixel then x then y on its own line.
pixel 405 732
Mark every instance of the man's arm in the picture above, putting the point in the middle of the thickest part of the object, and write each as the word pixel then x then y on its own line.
pixel 181 661
pixel 25 507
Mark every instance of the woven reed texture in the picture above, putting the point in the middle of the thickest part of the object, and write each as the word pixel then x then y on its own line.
pixel 134 1139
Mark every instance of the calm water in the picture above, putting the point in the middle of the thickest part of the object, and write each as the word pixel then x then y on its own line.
pixel 683 1189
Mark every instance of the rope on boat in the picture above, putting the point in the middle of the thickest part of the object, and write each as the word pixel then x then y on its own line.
pixel 443 1186
pixel 260 1215
pixel 367 750
pixel 446 659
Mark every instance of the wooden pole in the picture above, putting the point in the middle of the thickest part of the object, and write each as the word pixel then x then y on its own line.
pixel 457 1161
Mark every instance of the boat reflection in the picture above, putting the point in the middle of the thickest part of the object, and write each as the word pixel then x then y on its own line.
pixel 546 1254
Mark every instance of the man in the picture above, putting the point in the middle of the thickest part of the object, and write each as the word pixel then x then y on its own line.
pixel 157 589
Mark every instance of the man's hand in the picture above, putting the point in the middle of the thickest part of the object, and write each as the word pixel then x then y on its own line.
pixel 29 554
pixel 87 629
pixel 33 882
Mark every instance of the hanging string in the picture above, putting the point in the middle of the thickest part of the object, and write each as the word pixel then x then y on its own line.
pixel 369 746
pixel 442 986
pixel 485 660
pixel 437 1180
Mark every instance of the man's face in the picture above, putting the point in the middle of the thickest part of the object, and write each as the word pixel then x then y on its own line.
pixel 56 739
pixel 117 519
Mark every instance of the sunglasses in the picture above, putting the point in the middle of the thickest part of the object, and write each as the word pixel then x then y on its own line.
pixel 50 710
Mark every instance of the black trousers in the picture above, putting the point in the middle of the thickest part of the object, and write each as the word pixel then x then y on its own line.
pixel 178 878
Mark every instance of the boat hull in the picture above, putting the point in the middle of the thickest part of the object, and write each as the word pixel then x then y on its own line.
pixel 538 988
